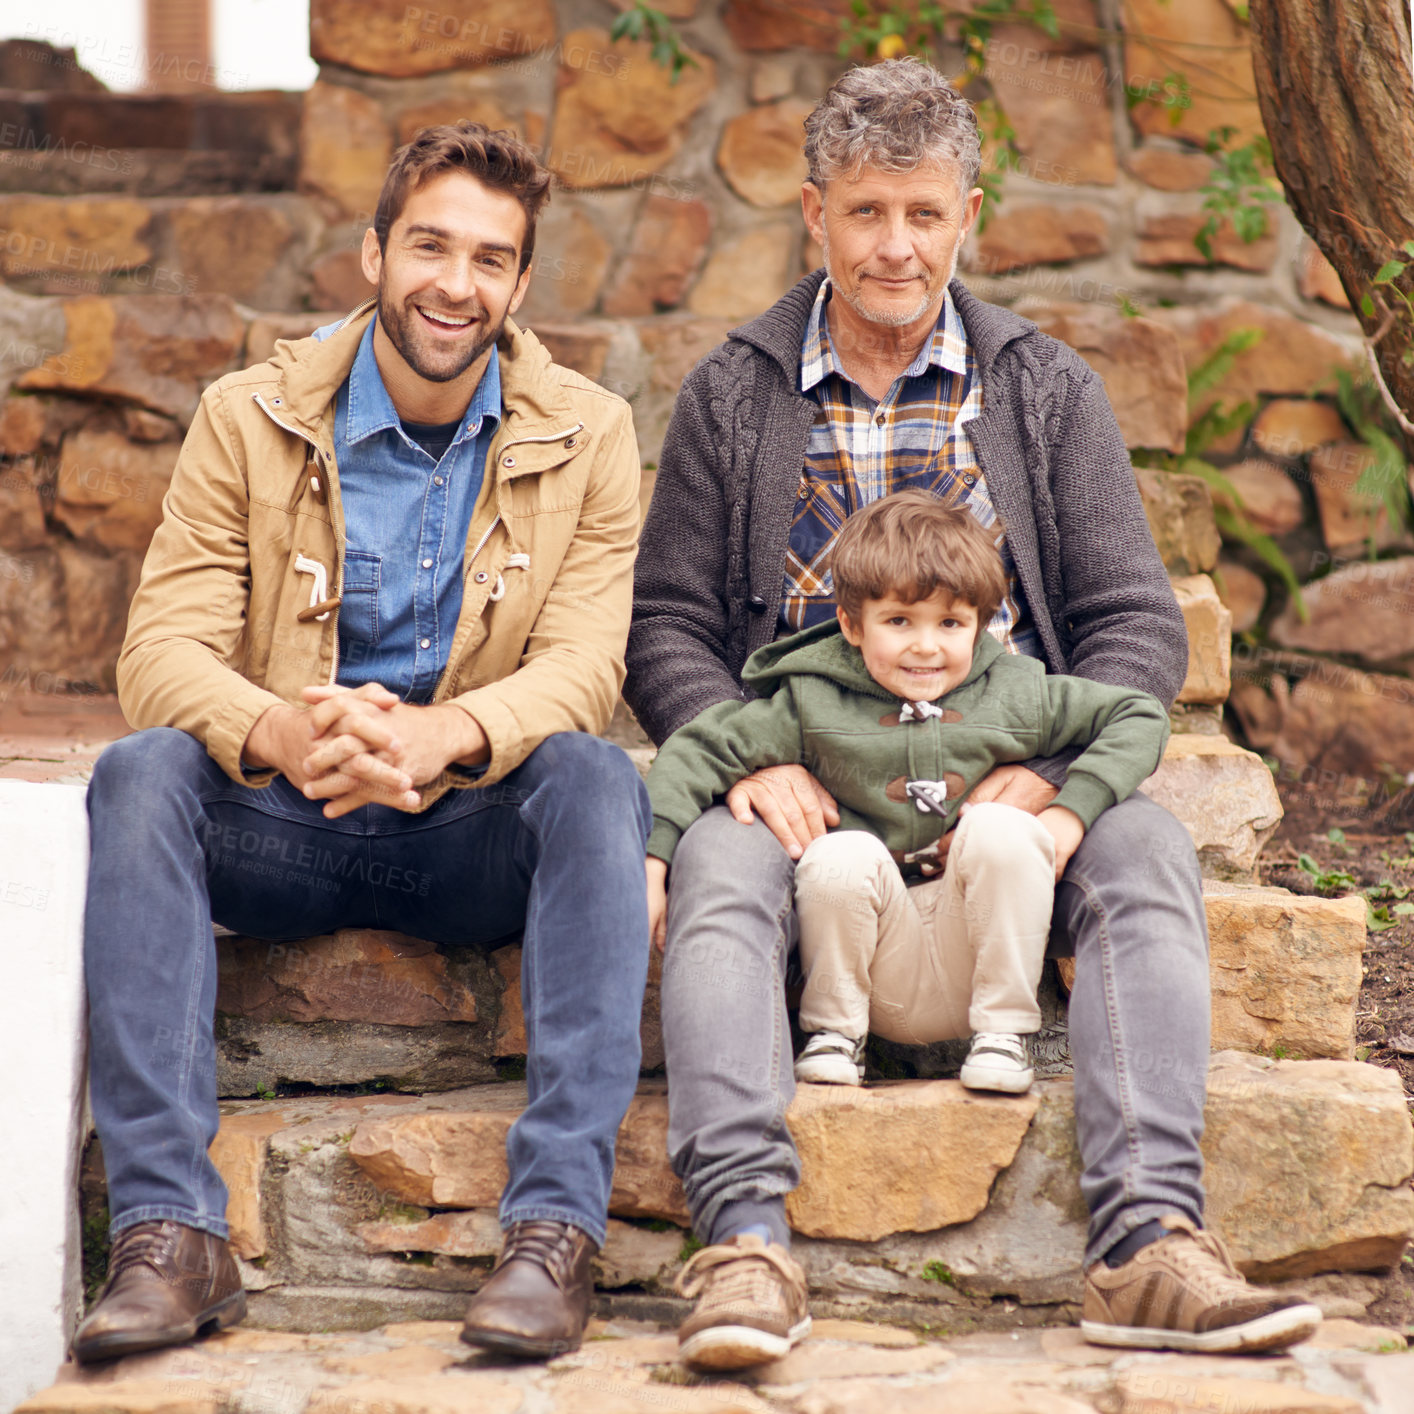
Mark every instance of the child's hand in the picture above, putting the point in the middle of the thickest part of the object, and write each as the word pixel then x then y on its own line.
pixel 1066 830
pixel 657 873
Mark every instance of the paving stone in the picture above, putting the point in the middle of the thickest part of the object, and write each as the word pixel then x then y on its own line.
pixel 355 974
pixel 1345 1334
pixel 1225 798
pixel 403 1363
pixel 1169 169
pixel 110 489
pixel 669 242
pixel 755 25
pixel 127 1397
pixel 1292 358
pixel 1209 626
pixel 79 240
pixel 959 1140
pixel 267 329
pixel 159 351
pixel 1057 99
pixel 345 147
pixel 760 152
pixel 1285 970
pixel 863 1333
pixel 1291 427
pixel 675 346
pixel 1267 496
pixel 746 274
pixel 1349 519
pixel 1142 366
pixel 817 1361
pixel 238 1151
pixel 234 245
pixel 1316 277
pixel 1347 722
pixel 338 281
pixel 399 41
pixel 1168 238
pixel 456 1159
pixel 1179 510
pixel 1205 38
pixel 1308 1165
pixel 452 1393
pixel 1244 592
pixel 623 119
pixel 1039 234
pixel 1362 610
pixel 1161 1392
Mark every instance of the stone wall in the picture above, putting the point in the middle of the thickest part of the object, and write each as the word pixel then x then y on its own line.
pixel 146 245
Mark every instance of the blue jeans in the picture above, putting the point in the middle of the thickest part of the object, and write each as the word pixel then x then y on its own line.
pixel 1130 906
pixel 556 848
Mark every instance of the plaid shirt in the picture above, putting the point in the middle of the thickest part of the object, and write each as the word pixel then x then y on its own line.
pixel 914 438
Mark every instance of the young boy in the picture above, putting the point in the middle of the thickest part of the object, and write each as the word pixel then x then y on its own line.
pixel 899 709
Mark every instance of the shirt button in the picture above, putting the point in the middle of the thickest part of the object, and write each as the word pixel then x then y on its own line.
pixel 880 419
pixel 436 480
pixel 969 480
pixel 424 643
pixel 427 564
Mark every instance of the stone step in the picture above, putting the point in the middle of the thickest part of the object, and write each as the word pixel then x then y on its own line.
pixel 630 1367
pixel 361 1007
pixel 918 1196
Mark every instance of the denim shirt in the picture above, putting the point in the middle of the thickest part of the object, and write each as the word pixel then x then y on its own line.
pixel 405 525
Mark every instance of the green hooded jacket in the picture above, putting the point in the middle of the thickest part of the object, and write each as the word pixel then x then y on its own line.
pixel 817 706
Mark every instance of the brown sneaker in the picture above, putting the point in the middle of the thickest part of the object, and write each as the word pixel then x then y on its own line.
pixel 1183 1293
pixel 167 1283
pixel 536 1302
pixel 751 1304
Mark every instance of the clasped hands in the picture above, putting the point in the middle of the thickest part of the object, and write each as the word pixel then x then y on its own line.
pixel 797 809
pixel 359 746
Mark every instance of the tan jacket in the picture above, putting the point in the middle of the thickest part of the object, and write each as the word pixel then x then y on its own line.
pixel 237 606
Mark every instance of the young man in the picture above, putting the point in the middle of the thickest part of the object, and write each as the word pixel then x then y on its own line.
pixel 876 374
pixel 899 708
pixel 387 600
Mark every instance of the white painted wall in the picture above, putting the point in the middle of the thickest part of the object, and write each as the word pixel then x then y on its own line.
pixel 43 875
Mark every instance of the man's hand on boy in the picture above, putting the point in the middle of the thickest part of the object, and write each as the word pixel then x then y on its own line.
pixel 1066 830
pixel 1008 785
pixel 792 804
pixel 657 873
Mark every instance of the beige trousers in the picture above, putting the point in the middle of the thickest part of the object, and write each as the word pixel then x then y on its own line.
pixel 943 959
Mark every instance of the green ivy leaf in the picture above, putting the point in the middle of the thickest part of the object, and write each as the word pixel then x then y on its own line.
pixel 1390 270
pixel 1367 306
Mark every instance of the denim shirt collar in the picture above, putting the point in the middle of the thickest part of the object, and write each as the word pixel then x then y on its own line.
pixel 371 410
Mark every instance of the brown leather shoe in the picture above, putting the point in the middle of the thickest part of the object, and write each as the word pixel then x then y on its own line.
pixel 536 1302
pixel 167 1283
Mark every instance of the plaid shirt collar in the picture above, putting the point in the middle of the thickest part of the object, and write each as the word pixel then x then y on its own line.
pixel 946 349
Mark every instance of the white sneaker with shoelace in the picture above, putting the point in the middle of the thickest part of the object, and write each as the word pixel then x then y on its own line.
pixel 998 1060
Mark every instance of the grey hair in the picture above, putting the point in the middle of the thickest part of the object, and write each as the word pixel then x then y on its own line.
pixel 895 115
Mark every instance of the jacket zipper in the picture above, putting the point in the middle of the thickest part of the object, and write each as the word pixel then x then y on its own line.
pixel 319 456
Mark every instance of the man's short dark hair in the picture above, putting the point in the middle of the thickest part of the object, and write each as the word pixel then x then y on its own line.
pixel 908 546
pixel 499 160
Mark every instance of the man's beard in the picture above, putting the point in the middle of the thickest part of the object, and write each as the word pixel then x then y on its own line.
pixel 398 324
pixel 891 317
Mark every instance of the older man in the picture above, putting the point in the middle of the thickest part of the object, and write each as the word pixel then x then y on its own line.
pixel 380 621
pixel 879 373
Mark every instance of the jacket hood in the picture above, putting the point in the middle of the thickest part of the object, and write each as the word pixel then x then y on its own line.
pixel 824 652
pixel 312 373
pixel 779 331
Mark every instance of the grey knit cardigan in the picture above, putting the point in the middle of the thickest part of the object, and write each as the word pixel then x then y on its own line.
pixel 711 561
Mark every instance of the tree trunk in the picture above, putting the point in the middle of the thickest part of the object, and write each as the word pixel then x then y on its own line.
pixel 1333 83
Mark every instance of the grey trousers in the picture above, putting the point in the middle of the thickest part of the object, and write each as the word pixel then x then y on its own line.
pixel 1129 907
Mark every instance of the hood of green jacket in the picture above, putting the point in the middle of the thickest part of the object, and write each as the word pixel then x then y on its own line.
pixel 824 652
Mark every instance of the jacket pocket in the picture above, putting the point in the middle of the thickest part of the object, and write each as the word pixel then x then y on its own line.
pixel 358 614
